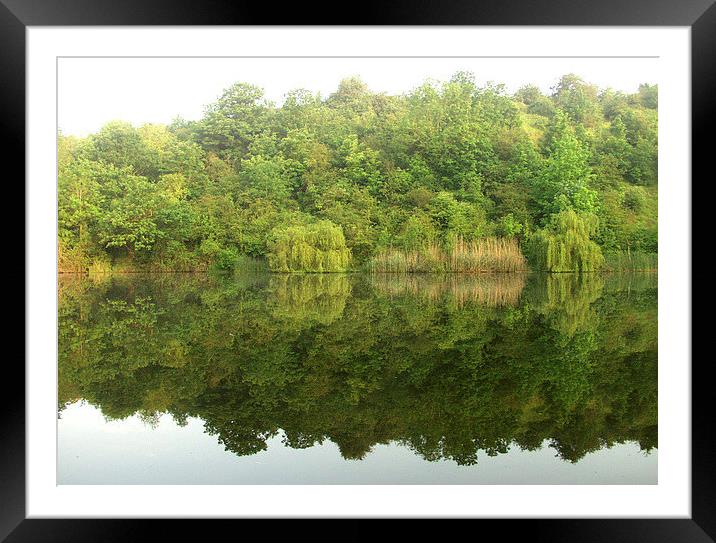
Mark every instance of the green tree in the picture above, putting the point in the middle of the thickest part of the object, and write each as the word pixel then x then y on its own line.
pixel 564 245
pixel 578 100
pixel 565 178
pixel 234 120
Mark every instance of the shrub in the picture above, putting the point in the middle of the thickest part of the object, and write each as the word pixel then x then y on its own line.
pixel 509 227
pixel 226 259
pixel 72 259
pixel 100 265
pixel 419 197
pixel 634 199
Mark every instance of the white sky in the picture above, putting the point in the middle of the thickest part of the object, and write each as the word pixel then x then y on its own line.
pixel 93 91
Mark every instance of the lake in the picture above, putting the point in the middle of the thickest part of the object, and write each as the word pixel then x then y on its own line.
pixel 357 379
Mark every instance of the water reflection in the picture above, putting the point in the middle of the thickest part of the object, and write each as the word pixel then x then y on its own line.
pixel 451 367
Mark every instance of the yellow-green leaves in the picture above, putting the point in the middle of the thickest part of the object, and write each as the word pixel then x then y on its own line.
pixel 319 247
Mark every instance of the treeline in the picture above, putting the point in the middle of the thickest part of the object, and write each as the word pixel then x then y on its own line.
pixel 364 179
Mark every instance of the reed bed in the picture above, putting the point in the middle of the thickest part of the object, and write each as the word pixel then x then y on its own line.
pixel 484 255
pixel 631 261
pixel 250 264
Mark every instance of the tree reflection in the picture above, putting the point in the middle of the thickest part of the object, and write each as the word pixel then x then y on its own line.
pixel 450 366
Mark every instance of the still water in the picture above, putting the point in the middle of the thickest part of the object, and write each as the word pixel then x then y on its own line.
pixel 358 379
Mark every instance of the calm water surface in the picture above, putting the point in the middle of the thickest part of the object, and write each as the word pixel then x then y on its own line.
pixel 350 379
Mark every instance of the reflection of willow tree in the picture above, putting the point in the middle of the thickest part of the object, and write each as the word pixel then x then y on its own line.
pixel 315 298
pixel 567 300
pixel 343 358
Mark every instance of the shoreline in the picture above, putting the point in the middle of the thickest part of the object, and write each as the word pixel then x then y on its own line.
pixel 356 272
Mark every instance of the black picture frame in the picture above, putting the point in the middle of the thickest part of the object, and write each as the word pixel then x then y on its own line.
pixel 16 15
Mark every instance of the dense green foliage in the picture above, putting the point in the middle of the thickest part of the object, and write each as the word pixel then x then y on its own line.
pixel 446 162
pixel 564 244
pixel 450 366
pixel 319 247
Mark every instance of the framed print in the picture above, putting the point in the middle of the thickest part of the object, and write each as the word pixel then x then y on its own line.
pixel 434 264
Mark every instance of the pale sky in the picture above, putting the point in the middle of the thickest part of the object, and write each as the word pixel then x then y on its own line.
pixel 93 91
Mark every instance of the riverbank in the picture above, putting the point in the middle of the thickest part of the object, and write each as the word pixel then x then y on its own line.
pixel 390 264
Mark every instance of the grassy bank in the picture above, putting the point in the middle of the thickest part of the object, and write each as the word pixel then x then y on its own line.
pixel 97 266
pixel 489 255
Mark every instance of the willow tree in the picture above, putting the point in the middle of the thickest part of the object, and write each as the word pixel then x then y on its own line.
pixel 318 247
pixel 564 245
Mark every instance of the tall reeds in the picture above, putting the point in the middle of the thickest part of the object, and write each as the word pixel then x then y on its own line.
pixel 631 261
pixel 484 255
